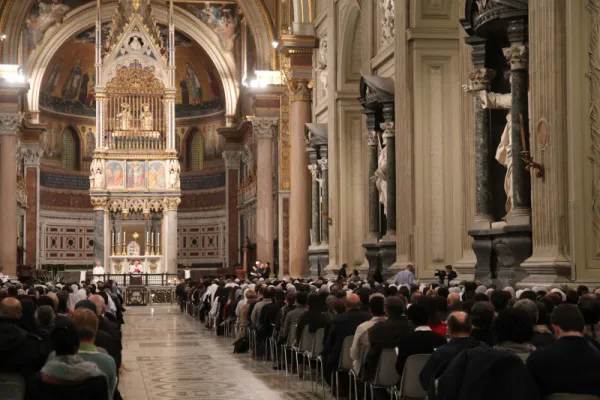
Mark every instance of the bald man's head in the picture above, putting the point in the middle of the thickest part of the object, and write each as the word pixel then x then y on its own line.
pixel 10 308
pixel 99 302
pixel 453 298
pixel 352 301
pixel 459 324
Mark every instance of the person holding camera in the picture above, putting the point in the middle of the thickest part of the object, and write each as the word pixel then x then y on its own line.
pixel 447 273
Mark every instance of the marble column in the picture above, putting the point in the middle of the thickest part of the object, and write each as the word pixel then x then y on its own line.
pixel 480 79
pixel 315 237
pixel 300 114
pixel 31 162
pixel 517 54
pixel 324 197
pixel 232 166
pixel 9 127
pixel 389 138
pixel 263 130
pixel 169 236
pixel 99 204
pixel 371 136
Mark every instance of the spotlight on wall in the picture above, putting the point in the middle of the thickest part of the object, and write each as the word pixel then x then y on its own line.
pixel 12 73
pixel 2 36
pixel 275 44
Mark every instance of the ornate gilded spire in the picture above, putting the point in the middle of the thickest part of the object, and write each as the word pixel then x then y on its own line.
pixel 126 11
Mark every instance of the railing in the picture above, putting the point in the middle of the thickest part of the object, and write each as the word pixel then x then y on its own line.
pixel 135 140
pixel 139 279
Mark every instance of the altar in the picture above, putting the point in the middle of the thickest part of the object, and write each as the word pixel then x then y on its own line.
pixel 129 259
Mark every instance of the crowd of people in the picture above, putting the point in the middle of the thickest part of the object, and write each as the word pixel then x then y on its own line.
pixel 62 340
pixel 484 342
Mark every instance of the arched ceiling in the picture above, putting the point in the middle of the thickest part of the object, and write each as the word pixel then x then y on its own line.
pixel 49 21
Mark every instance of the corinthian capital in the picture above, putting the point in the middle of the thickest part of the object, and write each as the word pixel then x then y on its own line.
pixel 32 157
pixel 300 89
pixel 480 78
pixel 99 203
pixel 371 137
pixel 10 123
pixel 314 169
pixel 517 55
pixel 264 128
pixel 232 159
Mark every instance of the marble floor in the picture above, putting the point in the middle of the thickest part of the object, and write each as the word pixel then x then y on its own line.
pixel 169 355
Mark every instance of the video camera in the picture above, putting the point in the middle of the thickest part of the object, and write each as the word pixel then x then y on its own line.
pixel 441 274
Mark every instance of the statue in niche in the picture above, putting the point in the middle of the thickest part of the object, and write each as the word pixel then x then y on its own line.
pixel 500 101
pixel 96 174
pixel 380 176
pixel 124 117
pixel 146 118
pixel 174 171
pixel 322 66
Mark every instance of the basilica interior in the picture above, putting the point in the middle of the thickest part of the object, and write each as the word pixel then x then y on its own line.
pixel 303 133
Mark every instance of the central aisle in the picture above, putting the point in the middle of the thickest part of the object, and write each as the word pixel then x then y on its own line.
pixel 169 355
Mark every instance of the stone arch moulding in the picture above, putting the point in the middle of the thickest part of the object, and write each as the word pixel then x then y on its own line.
pixel 254 10
pixel 86 17
pixel 349 24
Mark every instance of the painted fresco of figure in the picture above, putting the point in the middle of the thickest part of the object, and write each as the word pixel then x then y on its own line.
pixel 83 92
pixel 70 89
pixel 53 78
pixel 227 30
pixel 214 83
pixel 118 176
pixel 185 94
pixel 130 178
pixel 195 86
pixel 138 176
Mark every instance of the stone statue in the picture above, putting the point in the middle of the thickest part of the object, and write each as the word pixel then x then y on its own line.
pixel 380 176
pixel 322 66
pixel 124 117
pixel 146 118
pixel 500 101
pixel 174 171
pixel 96 174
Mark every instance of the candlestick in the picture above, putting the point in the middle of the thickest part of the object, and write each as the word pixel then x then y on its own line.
pixel 118 238
pixel 523 142
pixel 113 244
pixel 147 237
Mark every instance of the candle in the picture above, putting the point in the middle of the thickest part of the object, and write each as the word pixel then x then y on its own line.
pixel 147 237
pixel 124 241
pixel 118 237
pixel 158 238
pixel 523 142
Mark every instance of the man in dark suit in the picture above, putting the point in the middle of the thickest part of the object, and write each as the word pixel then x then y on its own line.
pixel 459 329
pixel 386 334
pixel 342 326
pixel 571 364
pixel 421 341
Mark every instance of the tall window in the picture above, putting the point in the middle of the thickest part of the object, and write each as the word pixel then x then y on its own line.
pixel 195 152
pixel 70 150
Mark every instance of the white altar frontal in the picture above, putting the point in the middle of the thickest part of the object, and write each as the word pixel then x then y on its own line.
pixel 134 173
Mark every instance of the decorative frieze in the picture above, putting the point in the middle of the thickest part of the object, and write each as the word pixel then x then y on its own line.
pixel 388 21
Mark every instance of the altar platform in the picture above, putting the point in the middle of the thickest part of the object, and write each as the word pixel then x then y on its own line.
pixel 143 289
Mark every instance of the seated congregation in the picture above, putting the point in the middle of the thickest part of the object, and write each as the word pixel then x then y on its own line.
pixel 60 341
pixel 373 340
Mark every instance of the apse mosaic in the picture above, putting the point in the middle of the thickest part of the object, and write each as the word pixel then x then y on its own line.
pixel 70 78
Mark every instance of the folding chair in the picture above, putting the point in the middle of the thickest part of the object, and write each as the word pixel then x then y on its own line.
pixel 410 387
pixel 315 354
pixel 289 345
pixel 12 386
pixel 272 343
pixel 344 365
pixel 305 345
pixel 386 376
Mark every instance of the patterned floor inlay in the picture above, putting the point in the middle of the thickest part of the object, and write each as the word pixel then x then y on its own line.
pixel 168 356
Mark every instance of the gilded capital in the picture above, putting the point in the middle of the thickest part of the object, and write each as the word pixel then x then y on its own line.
pixel 10 124
pixel 517 55
pixel 264 128
pixel 300 89
pixel 232 159
pixel 171 203
pixel 99 203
